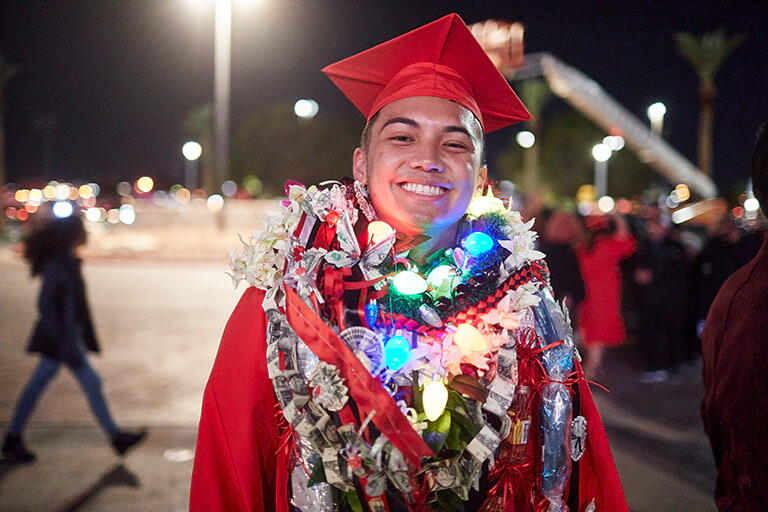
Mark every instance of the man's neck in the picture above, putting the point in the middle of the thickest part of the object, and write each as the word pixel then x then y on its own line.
pixel 438 239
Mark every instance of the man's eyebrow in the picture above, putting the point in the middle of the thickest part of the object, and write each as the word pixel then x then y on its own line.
pixel 411 122
pixel 404 120
pixel 461 129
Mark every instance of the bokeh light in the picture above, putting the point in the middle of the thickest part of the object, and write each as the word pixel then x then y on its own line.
pixel 62 209
pixel 605 204
pixel 191 150
pixel 525 139
pixel 21 196
pixel 85 191
pixel 682 192
pixel 229 188
pixel 35 195
pixel 123 189
pixel 92 214
pixel 126 214
pixel 62 192
pixel 145 184
pixel 305 108
pixel 751 204
pixel 601 152
pixel 215 203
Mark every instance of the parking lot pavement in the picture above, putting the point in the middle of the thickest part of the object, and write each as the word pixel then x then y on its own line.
pixel 160 323
pixel 76 470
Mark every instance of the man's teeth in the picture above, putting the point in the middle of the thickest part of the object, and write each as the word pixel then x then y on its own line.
pixel 427 190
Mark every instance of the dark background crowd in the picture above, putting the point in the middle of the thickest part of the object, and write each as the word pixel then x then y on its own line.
pixel 668 279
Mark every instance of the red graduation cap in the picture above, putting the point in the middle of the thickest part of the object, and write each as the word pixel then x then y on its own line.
pixel 441 59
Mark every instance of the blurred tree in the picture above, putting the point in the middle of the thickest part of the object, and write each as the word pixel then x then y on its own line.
pixel 6 72
pixel 706 55
pixel 198 126
pixel 274 145
pixel 534 92
pixel 566 160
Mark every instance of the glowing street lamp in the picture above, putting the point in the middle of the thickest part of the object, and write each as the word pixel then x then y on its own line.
pixel 525 139
pixel 656 116
pixel 191 151
pixel 305 108
pixel 601 153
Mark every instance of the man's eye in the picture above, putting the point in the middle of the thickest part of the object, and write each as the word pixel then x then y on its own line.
pixel 401 138
pixel 457 145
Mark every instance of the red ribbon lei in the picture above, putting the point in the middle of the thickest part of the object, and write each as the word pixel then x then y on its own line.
pixel 366 391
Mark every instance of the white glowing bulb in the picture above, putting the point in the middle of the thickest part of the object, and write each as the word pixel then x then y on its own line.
pixel 751 204
pixel 434 398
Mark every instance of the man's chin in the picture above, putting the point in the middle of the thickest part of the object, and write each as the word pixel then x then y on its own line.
pixel 414 224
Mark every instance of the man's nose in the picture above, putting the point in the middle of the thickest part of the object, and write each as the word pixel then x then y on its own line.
pixel 427 161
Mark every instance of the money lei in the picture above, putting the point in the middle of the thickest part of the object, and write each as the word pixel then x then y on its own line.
pixel 339 449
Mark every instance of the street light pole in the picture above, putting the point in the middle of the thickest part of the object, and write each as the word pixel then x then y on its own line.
pixel 221 92
pixel 191 151
pixel 601 153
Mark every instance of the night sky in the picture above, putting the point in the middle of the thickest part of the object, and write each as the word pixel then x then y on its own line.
pixel 118 76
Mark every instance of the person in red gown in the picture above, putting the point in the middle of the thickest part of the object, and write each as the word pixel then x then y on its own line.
pixel 599 256
pixel 428 96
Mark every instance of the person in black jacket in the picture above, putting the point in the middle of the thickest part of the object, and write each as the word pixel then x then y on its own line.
pixel 63 333
pixel 660 271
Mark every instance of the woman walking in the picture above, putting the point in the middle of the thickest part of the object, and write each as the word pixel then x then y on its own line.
pixel 63 333
pixel 608 242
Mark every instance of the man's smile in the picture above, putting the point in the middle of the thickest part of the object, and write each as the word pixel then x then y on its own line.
pixel 423 189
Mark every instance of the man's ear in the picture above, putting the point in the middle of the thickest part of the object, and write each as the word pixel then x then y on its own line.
pixel 360 166
pixel 482 180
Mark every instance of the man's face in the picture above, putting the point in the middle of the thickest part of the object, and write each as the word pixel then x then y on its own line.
pixel 422 164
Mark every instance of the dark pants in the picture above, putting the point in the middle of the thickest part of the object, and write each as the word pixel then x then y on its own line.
pixel 660 339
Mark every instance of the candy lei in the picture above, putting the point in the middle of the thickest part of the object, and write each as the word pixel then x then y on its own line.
pixel 455 342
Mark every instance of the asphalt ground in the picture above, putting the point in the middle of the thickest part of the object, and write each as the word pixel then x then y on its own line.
pixel 160 322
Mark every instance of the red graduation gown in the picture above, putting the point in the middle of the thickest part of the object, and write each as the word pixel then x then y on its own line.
pixel 239 464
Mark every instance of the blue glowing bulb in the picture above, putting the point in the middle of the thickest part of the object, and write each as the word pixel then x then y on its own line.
pixel 477 243
pixel 397 350
pixel 371 314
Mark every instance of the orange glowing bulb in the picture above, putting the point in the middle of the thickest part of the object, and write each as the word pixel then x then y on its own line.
pixel 469 339
pixel 378 231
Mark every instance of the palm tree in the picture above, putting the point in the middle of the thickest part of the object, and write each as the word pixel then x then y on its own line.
pixel 706 55
pixel 534 92
pixel 6 72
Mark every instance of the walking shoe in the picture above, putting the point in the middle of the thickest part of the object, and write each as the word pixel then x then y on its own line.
pixel 654 377
pixel 14 449
pixel 122 441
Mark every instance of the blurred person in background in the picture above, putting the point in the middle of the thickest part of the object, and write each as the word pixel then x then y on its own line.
pixel 607 242
pixel 735 356
pixel 63 334
pixel 659 274
pixel 726 251
pixel 561 232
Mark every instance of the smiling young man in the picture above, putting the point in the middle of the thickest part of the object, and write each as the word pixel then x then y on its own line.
pixel 399 347
pixel 421 158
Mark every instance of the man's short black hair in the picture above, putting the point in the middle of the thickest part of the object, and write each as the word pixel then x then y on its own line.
pixel 760 167
pixel 365 137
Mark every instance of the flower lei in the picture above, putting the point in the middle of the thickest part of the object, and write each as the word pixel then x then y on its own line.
pixel 466 318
